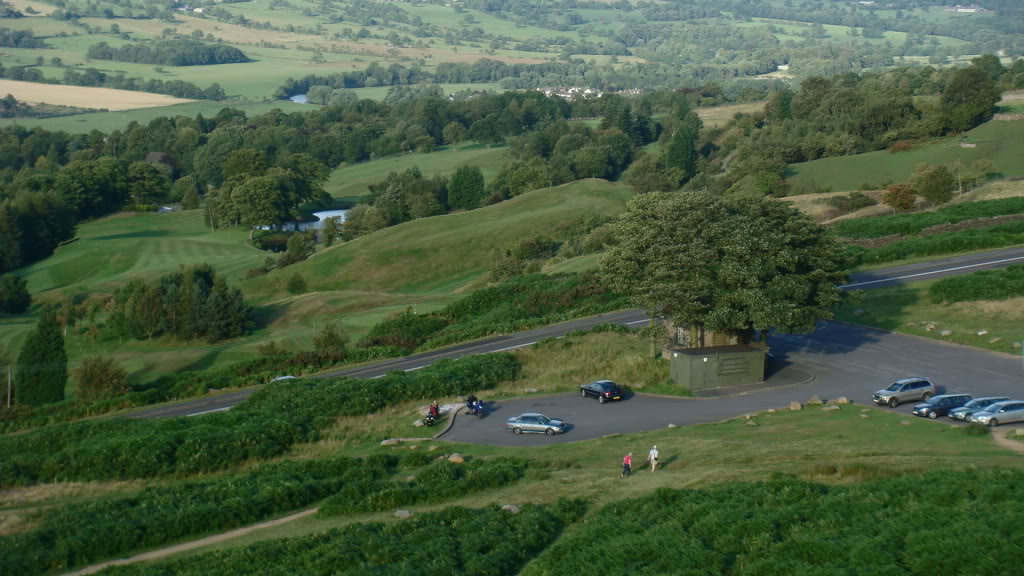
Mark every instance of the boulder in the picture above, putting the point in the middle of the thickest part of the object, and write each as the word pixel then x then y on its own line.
pixel 814 401
pixel 994 340
pixel 511 508
pixel 748 416
pixel 418 424
pixel 829 408
pixel 1017 345
pixel 929 327
pixel 456 458
pixel 865 416
pixel 840 400
pixel 389 442
pixel 771 410
pixel 946 333
pixel 673 426
pixel 529 390
pixel 414 447
pixel 751 423
pixel 905 422
pixel 982 332
pixel 794 406
pixel 402 514
pixel 410 478
pixel 433 448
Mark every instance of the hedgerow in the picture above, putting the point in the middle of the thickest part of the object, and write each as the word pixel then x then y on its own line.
pixel 78 534
pixel 942 523
pixel 984 285
pixel 439 481
pixel 271 421
pixel 910 224
pixel 976 239
pixel 452 542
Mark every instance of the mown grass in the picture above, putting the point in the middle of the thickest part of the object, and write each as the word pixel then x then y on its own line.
pixel 446 254
pixel 355 180
pixel 1001 142
pixel 909 309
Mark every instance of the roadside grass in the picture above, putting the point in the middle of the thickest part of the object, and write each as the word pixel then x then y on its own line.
pixel 1001 142
pixel 445 254
pixel 354 180
pixel 910 310
pixel 849 445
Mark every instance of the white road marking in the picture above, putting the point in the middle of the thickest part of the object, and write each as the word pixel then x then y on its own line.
pixel 210 411
pixel 416 368
pixel 934 272
pixel 516 346
pixel 637 322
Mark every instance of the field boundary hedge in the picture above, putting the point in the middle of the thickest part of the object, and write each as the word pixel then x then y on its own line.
pixel 983 285
pixel 914 223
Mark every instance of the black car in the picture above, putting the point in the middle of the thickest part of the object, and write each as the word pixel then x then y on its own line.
pixel 941 405
pixel 603 390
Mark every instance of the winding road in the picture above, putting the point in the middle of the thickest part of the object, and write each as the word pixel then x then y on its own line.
pixel 845 360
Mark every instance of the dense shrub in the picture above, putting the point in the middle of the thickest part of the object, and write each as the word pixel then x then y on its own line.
pixel 404 329
pixel 169 53
pixel 984 285
pixel 270 422
pixel 437 482
pixel 78 534
pixel 960 241
pixel 907 525
pixel 453 542
pixel 524 302
pixel 910 224
pixel 846 203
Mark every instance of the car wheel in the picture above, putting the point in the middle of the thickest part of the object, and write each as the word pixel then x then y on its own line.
pixel 517 430
pixel 933 415
pixel 893 402
pixel 549 432
pixel 583 393
pixel 927 396
pixel 993 423
pixel 601 400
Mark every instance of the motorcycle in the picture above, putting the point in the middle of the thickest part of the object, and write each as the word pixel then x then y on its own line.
pixel 429 419
pixel 476 409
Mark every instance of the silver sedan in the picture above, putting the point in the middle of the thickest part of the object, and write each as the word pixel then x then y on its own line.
pixel 1000 413
pixel 535 423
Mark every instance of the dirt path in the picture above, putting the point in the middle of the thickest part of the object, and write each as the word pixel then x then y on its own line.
pixel 164 552
pixel 1003 439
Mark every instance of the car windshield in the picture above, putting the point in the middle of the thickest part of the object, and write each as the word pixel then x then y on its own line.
pixel 894 387
pixel 543 419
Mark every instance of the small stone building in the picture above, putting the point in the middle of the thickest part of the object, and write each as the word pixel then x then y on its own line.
pixel 700 359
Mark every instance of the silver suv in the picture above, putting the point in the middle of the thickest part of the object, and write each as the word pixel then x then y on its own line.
pixel 905 390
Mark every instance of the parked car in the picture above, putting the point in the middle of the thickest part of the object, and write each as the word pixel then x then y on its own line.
pixel 534 422
pixel 905 390
pixel 941 405
pixel 965 412
pixel 603 390
pixel 1006 412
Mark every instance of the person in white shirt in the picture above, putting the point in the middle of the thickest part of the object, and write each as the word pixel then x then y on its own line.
pixel 652 456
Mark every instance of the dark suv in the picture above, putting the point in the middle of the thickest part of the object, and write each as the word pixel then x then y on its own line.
pixel 941 405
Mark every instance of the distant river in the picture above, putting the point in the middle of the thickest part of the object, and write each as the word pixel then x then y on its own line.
pixel 299 98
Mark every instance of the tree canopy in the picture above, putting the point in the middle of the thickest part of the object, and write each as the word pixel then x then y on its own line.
pixel 725 264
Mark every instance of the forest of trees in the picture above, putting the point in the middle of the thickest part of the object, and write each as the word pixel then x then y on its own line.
pixel 169 53
pixel 19 39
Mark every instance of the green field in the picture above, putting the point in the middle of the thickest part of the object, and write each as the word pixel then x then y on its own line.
pixel 1001 142
pixel 354 180
pixel 910 310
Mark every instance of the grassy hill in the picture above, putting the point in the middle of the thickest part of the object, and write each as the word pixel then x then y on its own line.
pixel 1001 142
pixel 446 253
pixel 427 263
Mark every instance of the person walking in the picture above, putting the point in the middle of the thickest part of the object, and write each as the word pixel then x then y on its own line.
pixel 652 457
pixel 627 465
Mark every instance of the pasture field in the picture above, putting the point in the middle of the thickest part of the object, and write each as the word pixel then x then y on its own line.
pixel 717 116
pixel 1001 142
pixel 85 97
pixel 354 180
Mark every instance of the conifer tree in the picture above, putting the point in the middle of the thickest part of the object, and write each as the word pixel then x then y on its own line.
pixel 42 364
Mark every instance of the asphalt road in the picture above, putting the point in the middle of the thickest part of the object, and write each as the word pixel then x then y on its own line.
pixel 861 281
pixel 846 360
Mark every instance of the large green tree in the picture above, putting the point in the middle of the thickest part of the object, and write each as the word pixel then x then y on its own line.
pixel 969 99
pixel 42 367
pixel 725 264
pixel 14 295
pixel 466 189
